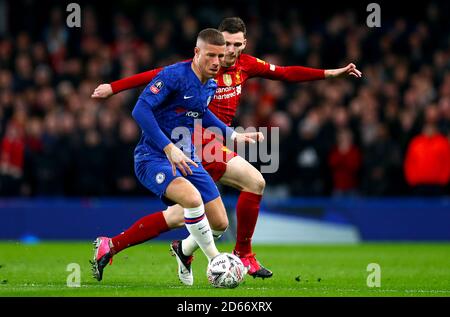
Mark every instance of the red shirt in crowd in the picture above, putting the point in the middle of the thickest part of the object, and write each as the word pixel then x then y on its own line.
pixel 12 149
pixel 427 160
pixel 344 167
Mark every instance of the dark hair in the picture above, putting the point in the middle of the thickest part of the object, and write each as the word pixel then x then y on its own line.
pixel 233 25
pixel 211 36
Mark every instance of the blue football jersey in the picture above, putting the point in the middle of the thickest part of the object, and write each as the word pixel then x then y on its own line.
pixel 176 97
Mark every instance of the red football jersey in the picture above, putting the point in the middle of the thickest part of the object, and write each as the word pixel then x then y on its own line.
pixel 230 81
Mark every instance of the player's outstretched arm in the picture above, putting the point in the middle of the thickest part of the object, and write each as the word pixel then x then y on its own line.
pixel 256 67
pixel 104 91
pixel 348 71
pixel 259 68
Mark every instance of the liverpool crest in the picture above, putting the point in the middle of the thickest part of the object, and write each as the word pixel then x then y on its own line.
pixel 227 79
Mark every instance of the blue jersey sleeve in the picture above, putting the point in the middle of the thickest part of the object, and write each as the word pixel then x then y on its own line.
pixel 156 93
pixel 144 116
pixel 210 120
pixel 159 89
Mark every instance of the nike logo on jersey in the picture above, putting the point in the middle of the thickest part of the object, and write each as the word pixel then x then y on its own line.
pixel 187 97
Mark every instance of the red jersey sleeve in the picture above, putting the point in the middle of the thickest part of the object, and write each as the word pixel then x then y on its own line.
pixel 256 67
pixel 134 81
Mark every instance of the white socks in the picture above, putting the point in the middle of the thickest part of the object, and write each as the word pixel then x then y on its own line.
pixel 200 233
pixel 189 245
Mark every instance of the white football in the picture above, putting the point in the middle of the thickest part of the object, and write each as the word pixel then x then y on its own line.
pixel 225 271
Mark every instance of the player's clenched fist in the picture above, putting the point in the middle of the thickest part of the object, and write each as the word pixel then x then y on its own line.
pixel 178 160
pixel 349 70
pixel 102 91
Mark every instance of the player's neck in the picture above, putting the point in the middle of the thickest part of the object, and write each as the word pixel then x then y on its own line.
pixel 198 73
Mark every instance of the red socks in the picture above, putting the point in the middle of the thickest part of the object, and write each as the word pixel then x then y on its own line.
pixel 153 225
pixel 247 210
pixel 144 229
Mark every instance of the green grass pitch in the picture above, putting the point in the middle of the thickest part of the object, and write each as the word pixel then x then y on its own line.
pixel 299 270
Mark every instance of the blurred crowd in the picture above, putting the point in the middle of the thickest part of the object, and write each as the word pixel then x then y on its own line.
pixel 383 135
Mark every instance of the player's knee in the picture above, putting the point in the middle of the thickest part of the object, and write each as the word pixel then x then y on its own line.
pixel 261 184
pixel 174 217
pixel 258 184
pixel 192 200
pixel 220 225
pixel 179 221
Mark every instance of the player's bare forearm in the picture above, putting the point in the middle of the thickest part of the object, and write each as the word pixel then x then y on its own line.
pixel 347 71
pixel 247 137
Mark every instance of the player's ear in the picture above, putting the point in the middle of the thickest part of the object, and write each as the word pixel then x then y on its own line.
pixel 196 50
pixel 244 44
